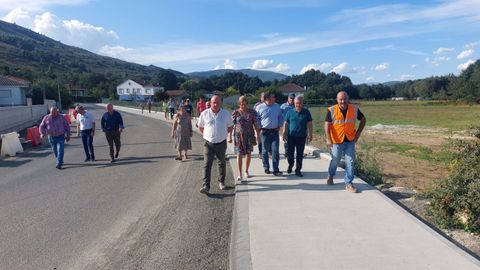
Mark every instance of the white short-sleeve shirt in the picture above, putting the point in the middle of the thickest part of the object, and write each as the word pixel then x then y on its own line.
pixel 215 125
pixel 86 120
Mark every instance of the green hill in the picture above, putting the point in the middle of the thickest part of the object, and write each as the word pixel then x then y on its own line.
pixel 36 57
pixel 261 74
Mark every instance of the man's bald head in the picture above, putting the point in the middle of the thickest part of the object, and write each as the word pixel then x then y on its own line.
pixel 54 111
pixel 342 100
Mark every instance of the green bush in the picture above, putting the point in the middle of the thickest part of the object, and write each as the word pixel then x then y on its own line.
pixel 455 201
pixel 366 165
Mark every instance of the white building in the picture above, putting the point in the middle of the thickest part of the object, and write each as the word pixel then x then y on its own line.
pixel 13 91
pixel 132 90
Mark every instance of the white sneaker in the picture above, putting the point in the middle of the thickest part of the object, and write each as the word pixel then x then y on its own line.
pixel 222 186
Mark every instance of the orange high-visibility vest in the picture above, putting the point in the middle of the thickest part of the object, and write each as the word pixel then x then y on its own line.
pixel 342 127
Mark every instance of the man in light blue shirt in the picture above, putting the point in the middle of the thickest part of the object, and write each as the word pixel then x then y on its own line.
pixel 270 119
pixel 287 106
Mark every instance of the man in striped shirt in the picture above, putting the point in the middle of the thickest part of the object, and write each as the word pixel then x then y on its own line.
pixel 56 127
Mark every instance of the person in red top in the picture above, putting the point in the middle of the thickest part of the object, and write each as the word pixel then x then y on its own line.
pixel 201 106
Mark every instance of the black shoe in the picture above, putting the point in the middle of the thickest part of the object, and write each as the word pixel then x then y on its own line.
pixel 268 172
pixel 59 167
pixel 116 155
pixel 112 160
pixel 204 190
pixel 289 170
pixel 298 173
pixel 93 158
pixel 277 173
pixel 87 160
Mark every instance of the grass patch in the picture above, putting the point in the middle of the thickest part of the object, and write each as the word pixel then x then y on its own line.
pixel 419 113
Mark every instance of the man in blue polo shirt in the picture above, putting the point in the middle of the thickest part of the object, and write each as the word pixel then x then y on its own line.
pixel 297 129
pixel 270 119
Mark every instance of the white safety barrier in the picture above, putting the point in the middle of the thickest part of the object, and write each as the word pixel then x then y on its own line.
pixel 11 144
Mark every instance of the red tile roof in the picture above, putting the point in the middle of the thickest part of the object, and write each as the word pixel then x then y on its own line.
pixel 291 88
pixel 13 81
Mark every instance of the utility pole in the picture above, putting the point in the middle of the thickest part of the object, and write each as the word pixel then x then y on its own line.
pixel 59 97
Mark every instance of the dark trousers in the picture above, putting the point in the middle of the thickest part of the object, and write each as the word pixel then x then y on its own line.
pixel 87 140
pixel 113 136
pixel 172 112
pixel 297 144
pixel 211 150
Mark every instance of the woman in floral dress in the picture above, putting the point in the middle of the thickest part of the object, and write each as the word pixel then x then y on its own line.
pixel 245 126
pixel 182 132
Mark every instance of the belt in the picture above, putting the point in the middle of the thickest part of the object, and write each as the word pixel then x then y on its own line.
pixel 216 143
pixel 269 129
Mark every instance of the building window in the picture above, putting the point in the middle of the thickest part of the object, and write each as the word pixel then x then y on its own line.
pixel 120 91
pixel 128 91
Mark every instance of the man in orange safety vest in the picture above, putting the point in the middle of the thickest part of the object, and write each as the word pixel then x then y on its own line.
pixel 341 136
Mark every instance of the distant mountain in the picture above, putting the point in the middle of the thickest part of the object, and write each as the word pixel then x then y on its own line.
pixel 261 74
pixel 34 55
pixel 391 83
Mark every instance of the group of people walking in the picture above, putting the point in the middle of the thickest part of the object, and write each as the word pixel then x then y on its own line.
pixel 56 128
pixel 245 127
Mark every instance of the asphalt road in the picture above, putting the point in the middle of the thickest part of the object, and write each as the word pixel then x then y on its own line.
pixel 142 212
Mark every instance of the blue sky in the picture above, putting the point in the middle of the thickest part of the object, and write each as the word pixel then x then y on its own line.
pixel 369 41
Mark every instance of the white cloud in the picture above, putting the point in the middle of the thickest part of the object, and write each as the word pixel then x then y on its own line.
pixel 389 75
pixel 229 64
pixel 465 54
pixel 393 48
pixel 341 68
pixel 371 78
pixel 465 65
pixel 405 77
pixel 21 17
pixel 114 51
pixel 282 68
pixel 71 32
pixel 442 13
pixel 323 67
pixel 442 50
pixel 437 60
pixel 382 67
pixel 413 65
pixel 266 64
pixel 36 5
pixel 472 45
pixel 261 64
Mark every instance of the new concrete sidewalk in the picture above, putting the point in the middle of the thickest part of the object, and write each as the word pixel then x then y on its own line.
pixel 302 223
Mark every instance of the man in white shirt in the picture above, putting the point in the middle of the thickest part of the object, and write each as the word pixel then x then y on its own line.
pixel 86 128
pixel 214 123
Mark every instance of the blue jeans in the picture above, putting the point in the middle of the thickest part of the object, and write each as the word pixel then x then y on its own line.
pixel 347 148
pixel 87 140
pixel 270 143
pixel 58 144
